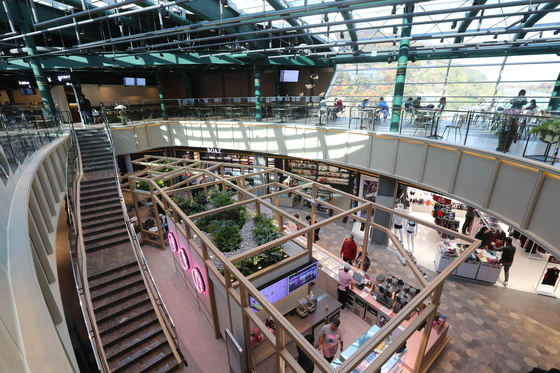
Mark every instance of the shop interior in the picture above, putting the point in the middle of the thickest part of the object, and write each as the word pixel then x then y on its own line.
pixel 384 303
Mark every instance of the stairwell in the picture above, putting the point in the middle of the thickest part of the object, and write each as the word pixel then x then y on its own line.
pixel 132 336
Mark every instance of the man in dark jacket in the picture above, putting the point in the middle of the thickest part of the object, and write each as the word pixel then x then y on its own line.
pixel 468 219
pixel 349 250
pixel 316 236
pixel 85 108
pixel 508 252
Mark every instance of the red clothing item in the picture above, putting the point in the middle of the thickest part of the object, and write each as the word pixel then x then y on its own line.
pixel 349 250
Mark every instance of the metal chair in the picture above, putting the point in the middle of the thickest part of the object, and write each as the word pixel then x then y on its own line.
pixel 456 125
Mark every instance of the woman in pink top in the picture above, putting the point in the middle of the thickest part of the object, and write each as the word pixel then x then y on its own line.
pixel 344 283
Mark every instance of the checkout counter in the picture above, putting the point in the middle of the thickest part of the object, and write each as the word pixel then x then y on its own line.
pixel 363 302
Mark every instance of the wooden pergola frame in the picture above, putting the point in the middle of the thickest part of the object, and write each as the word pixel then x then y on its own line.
pixel 243 288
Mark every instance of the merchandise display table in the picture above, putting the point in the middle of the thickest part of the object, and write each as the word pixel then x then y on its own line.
pixel 345 355
pixel 483 265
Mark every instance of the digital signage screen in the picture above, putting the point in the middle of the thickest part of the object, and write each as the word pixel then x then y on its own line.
pixel 289 76
pixel 141 82
pixel 129 81
pixel 303 277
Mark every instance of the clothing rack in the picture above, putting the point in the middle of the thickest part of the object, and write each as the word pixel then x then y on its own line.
pixel 547 289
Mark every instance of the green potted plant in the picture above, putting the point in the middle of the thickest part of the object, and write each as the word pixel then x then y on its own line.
pixel 548 131
pixel 508 123
pixel 123 114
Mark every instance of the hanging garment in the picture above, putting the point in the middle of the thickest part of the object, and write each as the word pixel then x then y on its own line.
pixel 551 276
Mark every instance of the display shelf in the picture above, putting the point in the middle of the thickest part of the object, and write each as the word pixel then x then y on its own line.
pixel 321 173
pixel 286 201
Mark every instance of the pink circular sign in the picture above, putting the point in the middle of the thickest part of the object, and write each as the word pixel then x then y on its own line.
pixel 172 242
pixel 184 259
pixel 198 280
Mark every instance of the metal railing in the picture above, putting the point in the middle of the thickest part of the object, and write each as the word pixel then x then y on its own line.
pixel 77 250
pixel 161 309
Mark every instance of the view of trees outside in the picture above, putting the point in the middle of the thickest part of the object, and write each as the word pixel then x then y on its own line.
pixel 463 82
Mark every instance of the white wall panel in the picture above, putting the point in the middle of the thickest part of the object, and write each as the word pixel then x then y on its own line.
pixel 382 151
pixel 142 138
pixel 359 146
pixel 409 159
pixel 159 135
pixel 441 166
pixel 512 191
pixel 178 134
pixel 125 140
pixel 336 145
pixel 209 135
pixel 544 221
pixel 225 136
pixel 194 137
pixel 313 147
pixel 275 138
pixel 295 141
pixel 242 136
pixel 258 138
pixel 473 177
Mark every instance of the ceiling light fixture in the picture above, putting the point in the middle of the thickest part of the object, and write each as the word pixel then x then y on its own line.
pixel 441 40
pixel 161 54
pixel 136 57
pixel 166 14
pixel 224 3
pixel 475 3
pixel 495 36
pixel 342 34
pixel 326 18
pixel 556 32
pixel 80 31
pixel 269 25
pixel 394 10
pixel 395 30
pixel 453 25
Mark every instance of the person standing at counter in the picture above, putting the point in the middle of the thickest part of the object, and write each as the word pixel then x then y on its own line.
pixel 344 283
pixel 329 337
pixel 508 252
pixel 349 249
pixel 303 360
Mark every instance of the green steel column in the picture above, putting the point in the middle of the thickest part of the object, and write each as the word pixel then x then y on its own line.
pixel 37 68
pixel 554 102
pixel 258 109
pixel 159 77
pixel 401 70
pixel 276 84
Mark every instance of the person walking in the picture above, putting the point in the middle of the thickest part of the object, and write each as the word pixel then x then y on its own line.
pixel 468 220
pixel 508 253
pixel 85 108
pixel 330 337
pixel 358 260
pixel 316 235
pixel 344 284
pixel 303 360
pixel 349 250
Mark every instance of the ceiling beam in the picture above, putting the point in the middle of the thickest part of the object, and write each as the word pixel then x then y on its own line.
pixel 347 16
pixel 535 18
pixel 277 5
pixel 466 23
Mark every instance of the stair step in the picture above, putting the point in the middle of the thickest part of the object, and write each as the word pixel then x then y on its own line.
pixel 89 183
pixel 113 273
pixel 97 159
pixel 107 303
pixel 139 338
pixel 111 317
pixel 101 216
pixel 104 244
pixel 105 227
pixel 92 144
pixel 104 236
pixel 124 324
pixel 95 153
pixel 99 190
pixel 102 287
pixel 167 365
pixel 147 356
pixel 95 169
pixel 101 200
pixel 99 196
pixel 104 208
pixel 127 284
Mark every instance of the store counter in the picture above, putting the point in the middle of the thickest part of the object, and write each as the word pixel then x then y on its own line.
pixel 345 355
pixel 327 309
pixel 483 265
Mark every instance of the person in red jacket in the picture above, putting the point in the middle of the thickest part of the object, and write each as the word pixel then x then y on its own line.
pixel 349 249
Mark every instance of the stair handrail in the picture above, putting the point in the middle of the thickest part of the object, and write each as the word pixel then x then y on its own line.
pixel 78 259
pixel 161 309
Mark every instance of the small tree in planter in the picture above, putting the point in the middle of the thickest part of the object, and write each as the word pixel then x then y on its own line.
pixel 508 123
pixel 225 235
pixel 548 131
pixel 144 185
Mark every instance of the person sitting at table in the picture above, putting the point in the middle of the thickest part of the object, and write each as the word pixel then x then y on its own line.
pixel 384 108
pixel 416 103
pixel 338 107
pixel 364 103
pixel 532 108
pixel 442 103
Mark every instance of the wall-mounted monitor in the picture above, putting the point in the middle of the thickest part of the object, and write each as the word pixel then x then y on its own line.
pixel 27 91
pixel 141 82
pixel 129 81
pixel 289 76
pixel 281 287
pixel 303 277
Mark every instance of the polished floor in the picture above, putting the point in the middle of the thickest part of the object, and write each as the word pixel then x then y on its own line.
pixel 492 328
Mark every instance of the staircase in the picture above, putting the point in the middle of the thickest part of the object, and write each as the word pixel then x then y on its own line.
pixel 131 334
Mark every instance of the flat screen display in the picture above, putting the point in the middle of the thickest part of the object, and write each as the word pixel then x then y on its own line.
pixel 303 277
pixel 129 81
pixel 141 82
pixel 273 293
pixel 289 76
pixel 27 91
